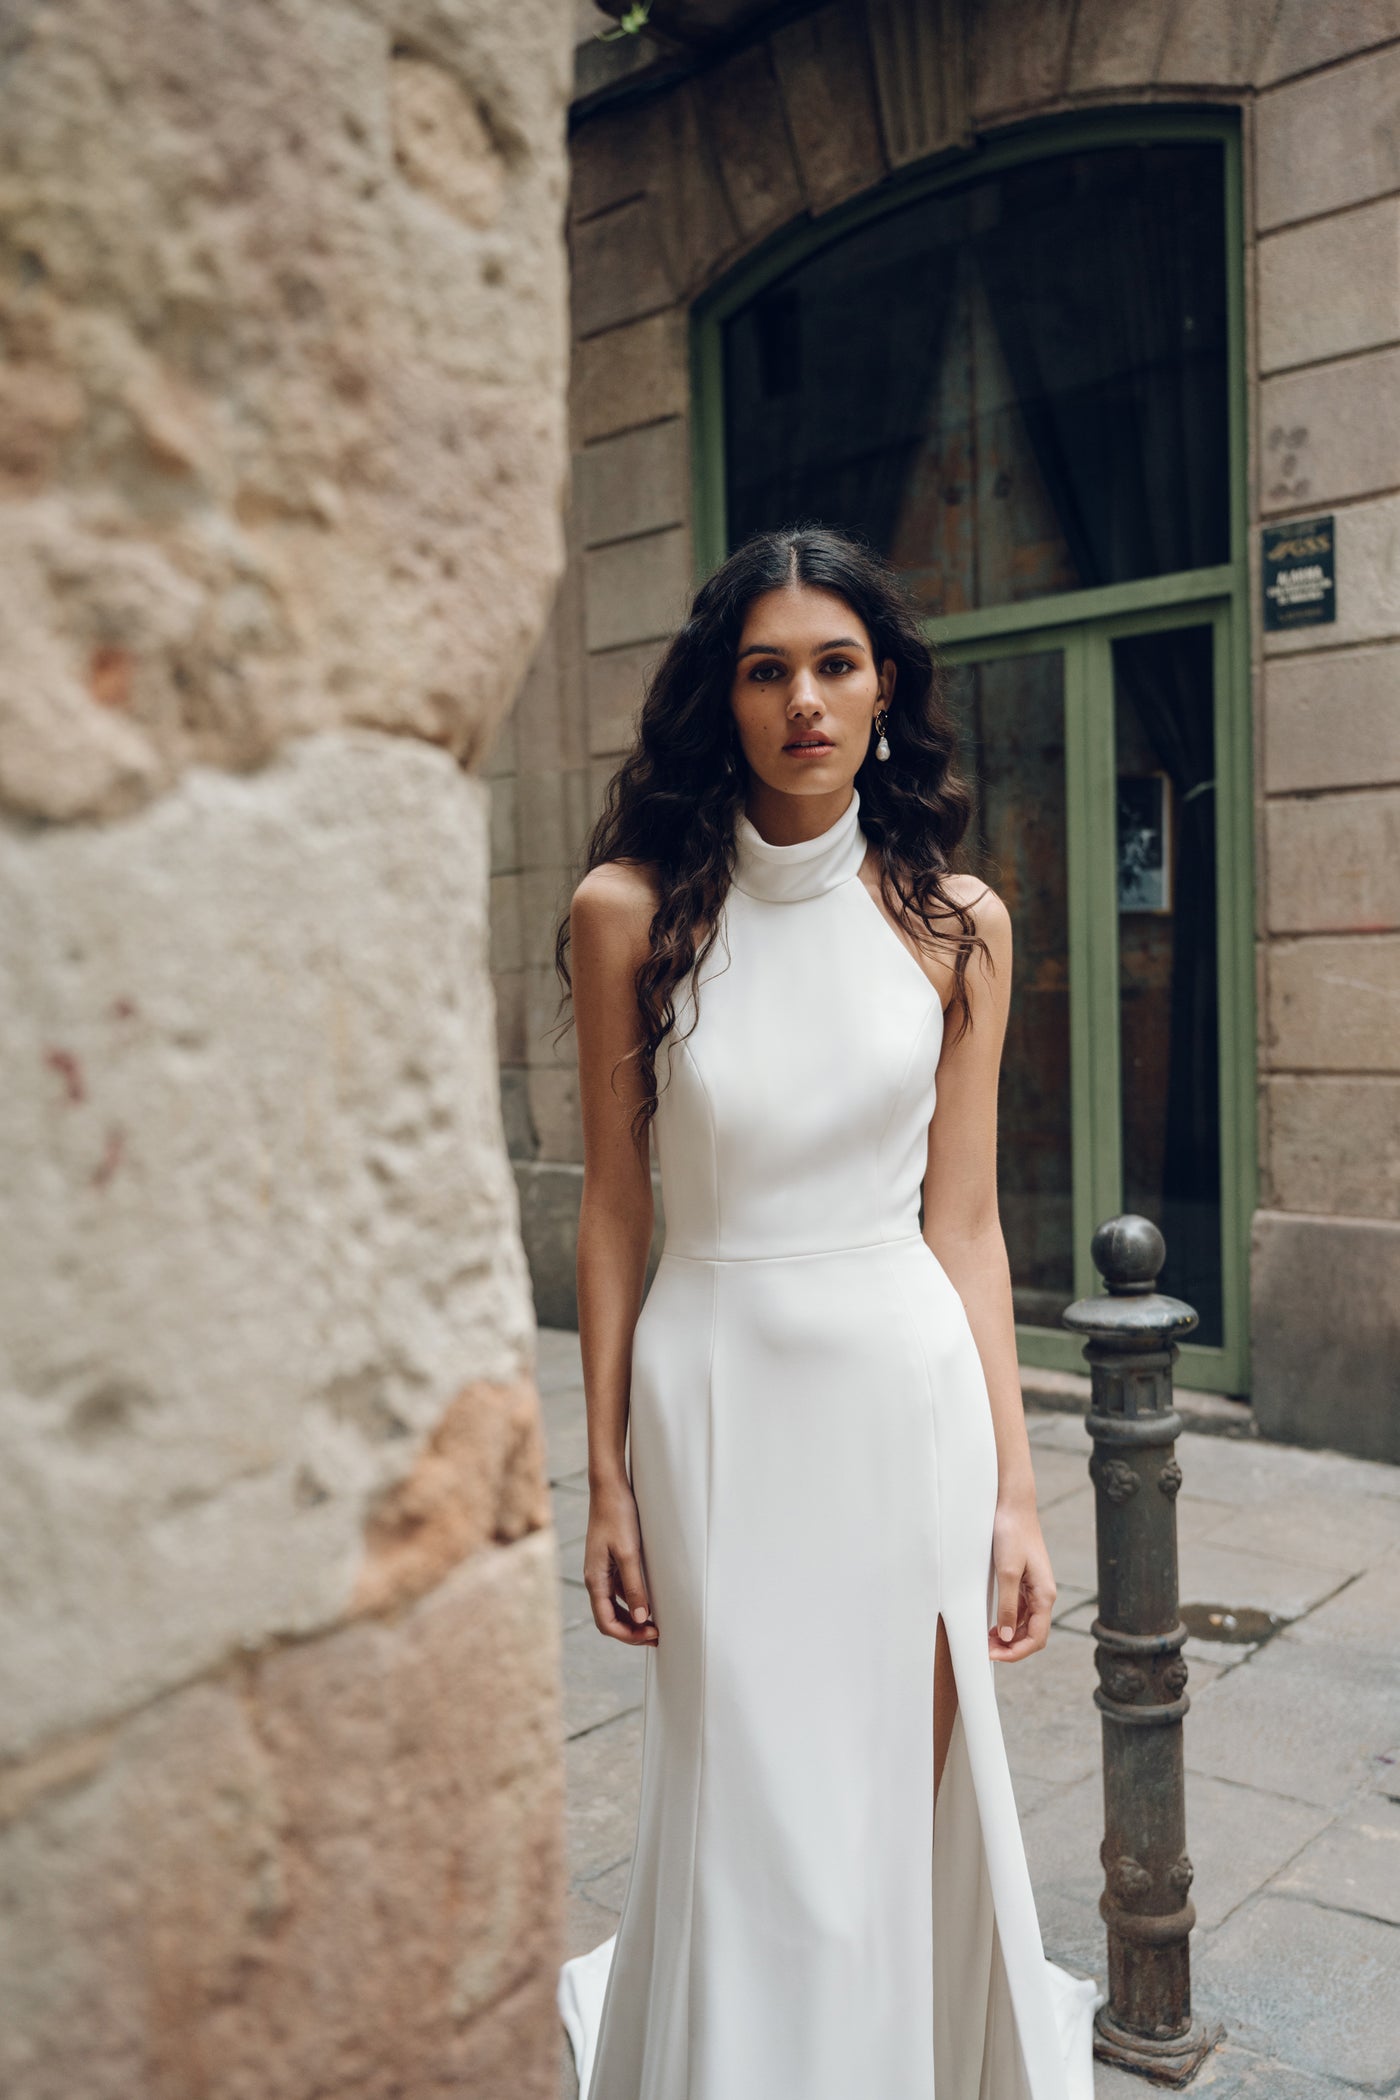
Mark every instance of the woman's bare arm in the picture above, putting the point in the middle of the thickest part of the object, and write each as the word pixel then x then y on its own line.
pixel 609 925
pixel 962 1225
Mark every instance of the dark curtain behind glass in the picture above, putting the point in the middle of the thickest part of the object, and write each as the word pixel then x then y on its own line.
pixel 1105 274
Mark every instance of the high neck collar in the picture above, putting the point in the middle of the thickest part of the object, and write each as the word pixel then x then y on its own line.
pixel 787 874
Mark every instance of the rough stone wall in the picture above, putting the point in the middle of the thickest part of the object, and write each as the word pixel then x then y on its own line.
pixel 282 449
pixel 1327 1239
pixel 668 194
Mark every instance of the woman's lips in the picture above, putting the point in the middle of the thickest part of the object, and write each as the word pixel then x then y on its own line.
pixel 809 747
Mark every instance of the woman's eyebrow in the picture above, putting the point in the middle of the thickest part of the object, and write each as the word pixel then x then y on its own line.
pixel 842 641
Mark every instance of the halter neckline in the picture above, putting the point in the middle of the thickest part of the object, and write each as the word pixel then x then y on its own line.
pixel 789 874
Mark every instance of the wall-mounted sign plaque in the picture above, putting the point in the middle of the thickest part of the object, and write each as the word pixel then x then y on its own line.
pixel 1300 574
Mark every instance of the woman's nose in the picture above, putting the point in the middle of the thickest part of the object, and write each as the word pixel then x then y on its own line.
pixel 804 699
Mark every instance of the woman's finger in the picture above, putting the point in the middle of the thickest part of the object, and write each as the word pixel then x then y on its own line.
pixel 608 1615
pixel 632 1587
pixel 1008 1603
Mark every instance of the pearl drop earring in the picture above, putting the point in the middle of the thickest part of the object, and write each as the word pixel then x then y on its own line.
pixel 882 749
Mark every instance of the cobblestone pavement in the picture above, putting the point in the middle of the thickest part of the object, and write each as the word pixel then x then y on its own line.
pixel 1292 1748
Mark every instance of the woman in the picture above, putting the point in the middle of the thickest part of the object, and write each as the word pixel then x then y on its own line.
pixel 828 1531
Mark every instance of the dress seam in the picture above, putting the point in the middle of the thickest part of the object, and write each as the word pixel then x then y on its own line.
pixel 704 1677
pixel 723 1261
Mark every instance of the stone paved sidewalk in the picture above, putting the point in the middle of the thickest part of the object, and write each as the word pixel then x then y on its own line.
pixel 1292 1748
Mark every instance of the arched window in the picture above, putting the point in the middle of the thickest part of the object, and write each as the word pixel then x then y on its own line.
pixel 1018 379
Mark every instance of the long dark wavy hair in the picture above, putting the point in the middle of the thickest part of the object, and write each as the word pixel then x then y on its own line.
pixel 673 802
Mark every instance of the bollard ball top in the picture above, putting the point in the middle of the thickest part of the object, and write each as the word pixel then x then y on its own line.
pixel 1128 1253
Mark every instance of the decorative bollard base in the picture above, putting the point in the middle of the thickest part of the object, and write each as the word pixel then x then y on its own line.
pixel 1175 2062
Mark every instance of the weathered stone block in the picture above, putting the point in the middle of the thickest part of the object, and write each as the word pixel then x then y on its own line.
pixel 698 228
pixel 1334 863
pixel 543 1015
pixel 620 270
pixel 636 482
pixel 1212 46
pixel 549 1202
pixel 1329 141
pixel 743 114
pixel 608 159
pixel 923 67
pixel 1368 582
pixel 1305 35
pixel 1330 287
pixel 1316 1986
pixel 544 898
pixel 822 62
pixel 1325 1319
pixel 337 1869
pixel 1020 53
pixel 1354 1865
pixel 1334 1145
pixel 616 687
pixel 507 938
pixel 228 546
pixel 505 839
pixel 637 590
pixel 1332 719
pixel 631 375
pixel 510 1017
pixel 542 821
pixel 1334 1004
pixel 555 1112
pixel 262 1228
pixel 1330 432
pixel 479 1481
pixel 1113 46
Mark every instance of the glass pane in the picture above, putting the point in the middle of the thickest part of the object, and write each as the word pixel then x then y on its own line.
pixel 1167 948
pixel 1011 717
pixel 1012 387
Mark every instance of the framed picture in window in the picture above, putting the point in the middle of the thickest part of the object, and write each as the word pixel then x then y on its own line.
pixel 1144 842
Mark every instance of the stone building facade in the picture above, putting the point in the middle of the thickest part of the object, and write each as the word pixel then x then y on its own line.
pixel 282 452
pixel 713 157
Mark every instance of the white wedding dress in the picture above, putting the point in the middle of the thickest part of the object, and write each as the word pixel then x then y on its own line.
pixel 813 1457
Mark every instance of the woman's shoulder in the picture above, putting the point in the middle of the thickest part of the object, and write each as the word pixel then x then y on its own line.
pixel 616 900
pixel 988 913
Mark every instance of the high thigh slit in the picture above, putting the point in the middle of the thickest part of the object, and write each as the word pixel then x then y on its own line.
pixel 814 1461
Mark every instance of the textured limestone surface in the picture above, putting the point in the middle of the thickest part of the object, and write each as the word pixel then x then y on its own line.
pixel 282 397
pixel 252 1134
pixel 333 1870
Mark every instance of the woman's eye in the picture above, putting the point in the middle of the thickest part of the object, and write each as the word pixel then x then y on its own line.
pixel 760 673
pixel 838 663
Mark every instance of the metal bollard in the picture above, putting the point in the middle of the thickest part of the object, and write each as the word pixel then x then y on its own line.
pixel 1146 2023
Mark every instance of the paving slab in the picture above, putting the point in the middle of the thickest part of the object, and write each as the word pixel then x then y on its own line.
pixel 1067 1527
pixel 1302 1719
pixel 1048 1717
pixel 1353 1864
pixel 602 1678
pixel 570 1505
pixel 1365 1614
pixel 1225 1469
pixel 1345 1532
pixel 574 1607
pixel 1238 1837
pixel 1218 1574
pixel 1318 1988
pixel 603 1770
pixel 565 1433
pixel 1058 1473
pixel 557 1359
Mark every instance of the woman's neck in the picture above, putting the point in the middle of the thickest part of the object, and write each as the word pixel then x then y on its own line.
pixel 786 820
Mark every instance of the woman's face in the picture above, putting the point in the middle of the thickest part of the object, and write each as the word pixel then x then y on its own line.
pixel 805 690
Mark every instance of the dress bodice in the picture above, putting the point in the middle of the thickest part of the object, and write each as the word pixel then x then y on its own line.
pixel 793 1115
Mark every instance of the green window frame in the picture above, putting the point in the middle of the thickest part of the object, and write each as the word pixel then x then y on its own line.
pixel 1084 625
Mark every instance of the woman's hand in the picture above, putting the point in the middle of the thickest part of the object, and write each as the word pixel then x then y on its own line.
pixel 1024 1581
pixel 612 1568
